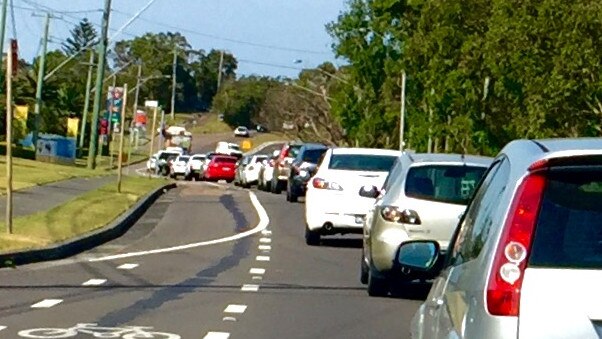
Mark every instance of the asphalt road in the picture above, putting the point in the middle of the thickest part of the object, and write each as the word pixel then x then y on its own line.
pixel 192 267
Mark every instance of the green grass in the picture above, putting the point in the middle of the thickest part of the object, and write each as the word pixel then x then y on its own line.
pixel 89 211
pixel 28 173
pixel 211 124
pixel 259 138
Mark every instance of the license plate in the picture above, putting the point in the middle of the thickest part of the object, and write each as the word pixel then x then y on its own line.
pixel 226 168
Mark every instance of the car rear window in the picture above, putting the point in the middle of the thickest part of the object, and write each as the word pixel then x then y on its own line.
pixel 452 184
pixel 362 162
pixel 313 155
pixel 225 160
pixel 234 147
pixel 167 155
pixel 185 159
pixel 569 228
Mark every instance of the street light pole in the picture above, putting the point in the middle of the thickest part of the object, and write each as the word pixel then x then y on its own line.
pixel 402 110
pixel 102 56
pixel 40 84
pixel 82 136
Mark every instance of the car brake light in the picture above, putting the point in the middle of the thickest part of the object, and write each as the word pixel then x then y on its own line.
pixel 320 183
pixel 394 214
pixel 510 261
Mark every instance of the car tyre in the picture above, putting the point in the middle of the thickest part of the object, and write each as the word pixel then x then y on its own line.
pixel 364 270
pixel 377 287
pixel 312 238
pixel 290 194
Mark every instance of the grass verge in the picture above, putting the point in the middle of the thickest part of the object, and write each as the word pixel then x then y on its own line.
pixel 28 173
pixel 259 138
pixel 89 211
pixel 210 125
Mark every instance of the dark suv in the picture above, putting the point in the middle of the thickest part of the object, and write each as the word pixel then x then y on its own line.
pixel 302 168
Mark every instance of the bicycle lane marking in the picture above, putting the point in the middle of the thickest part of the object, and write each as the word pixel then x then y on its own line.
pixel 264 220
pixel 97 332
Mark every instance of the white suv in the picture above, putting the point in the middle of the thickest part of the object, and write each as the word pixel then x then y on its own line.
pixel 228 148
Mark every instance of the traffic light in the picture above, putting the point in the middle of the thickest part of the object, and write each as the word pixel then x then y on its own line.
pixel 14 49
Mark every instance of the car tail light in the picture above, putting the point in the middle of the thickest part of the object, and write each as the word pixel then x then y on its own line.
pixel 510 261
pixel 320 183
pixel 394 214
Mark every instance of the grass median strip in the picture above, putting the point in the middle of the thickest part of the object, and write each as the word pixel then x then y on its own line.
pixel 28 173
pixel 87 212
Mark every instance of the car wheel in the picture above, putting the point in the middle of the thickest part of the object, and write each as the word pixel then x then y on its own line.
pixel 377 287
pixel 229 181
pixel 290 194
pixel 312 238
pixel 276 188
pixel 364 270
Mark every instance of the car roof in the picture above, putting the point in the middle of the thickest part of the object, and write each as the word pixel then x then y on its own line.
pixel 425 158
pixel 365 151
pixel 528 151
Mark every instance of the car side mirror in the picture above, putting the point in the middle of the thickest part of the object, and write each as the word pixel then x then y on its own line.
pixel 369 191
pixel 418 256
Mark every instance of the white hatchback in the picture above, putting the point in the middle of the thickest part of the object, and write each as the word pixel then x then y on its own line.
pixel 332 202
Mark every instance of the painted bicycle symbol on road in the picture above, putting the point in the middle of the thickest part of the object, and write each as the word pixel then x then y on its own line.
pixel 125 332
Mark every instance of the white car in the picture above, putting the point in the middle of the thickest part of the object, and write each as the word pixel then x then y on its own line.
pixel 241 131
pixel 195 166
pixel 178 166
pixel 151 163
pixel 228 148
pixel 250 173
pixel 332 203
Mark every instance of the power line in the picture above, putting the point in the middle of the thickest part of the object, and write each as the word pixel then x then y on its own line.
pixel 242 42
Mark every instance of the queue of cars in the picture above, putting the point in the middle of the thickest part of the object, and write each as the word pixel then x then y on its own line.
pixel 511 244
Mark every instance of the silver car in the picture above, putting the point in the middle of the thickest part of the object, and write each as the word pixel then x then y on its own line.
pixel 526 258
pixel 424 201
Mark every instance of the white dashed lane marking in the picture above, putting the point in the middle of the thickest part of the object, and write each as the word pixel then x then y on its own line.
pixel 262 258
pixel 257 277
pixel 249 288
pixel 266 232
pixel 265 247
pixel 265 240
pixel 47 303
pixel 2 328
pixel 127 266
pixel 217 335
pixel 238 309
pixel 94 282
pixel 257 271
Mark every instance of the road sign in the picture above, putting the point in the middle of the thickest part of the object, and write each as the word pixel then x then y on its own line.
pixel 246 145
pixel 151 103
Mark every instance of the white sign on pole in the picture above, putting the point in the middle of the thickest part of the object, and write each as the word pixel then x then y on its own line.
pixel 151 103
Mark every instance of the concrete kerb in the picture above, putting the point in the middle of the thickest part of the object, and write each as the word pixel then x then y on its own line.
pixel 88 241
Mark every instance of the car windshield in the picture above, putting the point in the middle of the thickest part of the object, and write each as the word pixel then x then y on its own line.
pixel 222 160
pixel 168 155
pixel 453 184
pixel 183 158
pixel 313 155
pixel 569 227
pixel 198 157
pixel 362 162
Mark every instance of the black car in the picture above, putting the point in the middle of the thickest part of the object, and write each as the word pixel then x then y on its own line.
pixel 303 167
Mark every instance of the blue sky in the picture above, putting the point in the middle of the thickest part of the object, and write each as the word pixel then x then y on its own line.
pixel 294 28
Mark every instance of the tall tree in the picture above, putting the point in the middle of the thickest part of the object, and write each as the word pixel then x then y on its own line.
pixel 82 35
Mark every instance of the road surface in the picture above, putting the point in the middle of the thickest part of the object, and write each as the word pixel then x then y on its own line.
pixel 206 261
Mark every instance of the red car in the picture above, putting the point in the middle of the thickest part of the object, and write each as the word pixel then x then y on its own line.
pixel 221 167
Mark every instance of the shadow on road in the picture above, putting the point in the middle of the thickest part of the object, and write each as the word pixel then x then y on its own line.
pixel 342 242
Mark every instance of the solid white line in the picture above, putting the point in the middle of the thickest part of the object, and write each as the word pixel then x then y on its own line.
pixel 217 335
pixel 264 247
pixel 127 266
pixel 94 282
pixel 239 309
pixel 264 220
pixel 257 271
pixel 250 288
pixel 47 303
pixel 265 240
pixel 257 277
pixel 262 258
pixel 266 232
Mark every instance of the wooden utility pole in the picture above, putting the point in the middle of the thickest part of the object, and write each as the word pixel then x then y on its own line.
pixel 121 136
pixel 219 71
pixel 100 71
pixel 9 139
pixel 174 66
